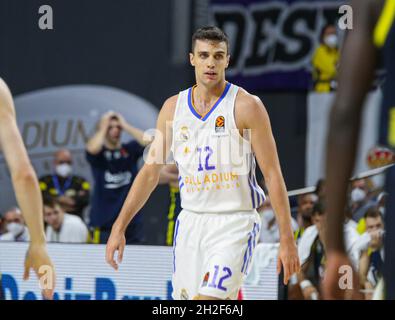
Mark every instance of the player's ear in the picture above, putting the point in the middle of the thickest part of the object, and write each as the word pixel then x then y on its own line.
pixel 227 60
pixel 191 59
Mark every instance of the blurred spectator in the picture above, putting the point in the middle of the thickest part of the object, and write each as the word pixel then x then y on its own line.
pixel 320 189
pixel 303 216
pixel 269 230
pixel 372 258
pixel 71 191
pixel 61 226
pixel 114 167
pixel 169 175
pixel 325 60
pixel 2 225
pixel 14 226
pixel 360 198
pixel 311 254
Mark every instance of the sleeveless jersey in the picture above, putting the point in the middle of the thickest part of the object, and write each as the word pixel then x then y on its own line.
pixel 215 163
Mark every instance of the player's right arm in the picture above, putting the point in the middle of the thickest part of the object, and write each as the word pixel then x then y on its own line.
pixel 144 183
pixel 26 187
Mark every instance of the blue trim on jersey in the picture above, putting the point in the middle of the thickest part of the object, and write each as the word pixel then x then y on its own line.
pixel 180 183
pixel 252 192
pixel 218 102
pixel 174 245
pixel 196 114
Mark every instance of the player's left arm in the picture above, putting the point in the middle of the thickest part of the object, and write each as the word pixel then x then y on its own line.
pixel 254 116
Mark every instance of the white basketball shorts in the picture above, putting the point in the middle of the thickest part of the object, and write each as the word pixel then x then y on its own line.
pixel 212 253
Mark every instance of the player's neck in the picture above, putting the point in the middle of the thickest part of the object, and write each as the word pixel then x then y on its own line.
pixel 207 95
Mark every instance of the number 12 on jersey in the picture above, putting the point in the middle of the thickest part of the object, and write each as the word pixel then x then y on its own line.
pixel 207 151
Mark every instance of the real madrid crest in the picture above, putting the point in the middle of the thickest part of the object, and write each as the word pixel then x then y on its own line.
pixel 183 134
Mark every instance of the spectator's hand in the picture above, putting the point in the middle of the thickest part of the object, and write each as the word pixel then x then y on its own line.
pixel 123 123
pixel 310 293
pixel 288 259
pixel 37 259
pixel 105 120
pixel 333 279
pixel 376 239
pixel 115 242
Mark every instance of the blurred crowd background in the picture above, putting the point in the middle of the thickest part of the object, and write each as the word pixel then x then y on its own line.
pixel 87 90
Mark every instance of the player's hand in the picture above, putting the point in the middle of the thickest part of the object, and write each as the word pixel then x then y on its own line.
pixel 37 259
pixel 288 259
pixel 332 283
pixel 116 242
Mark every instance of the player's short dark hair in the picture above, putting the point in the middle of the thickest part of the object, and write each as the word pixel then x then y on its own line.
pixel 50 202
pixel 210 33
pixel 319 208
pixel 373 212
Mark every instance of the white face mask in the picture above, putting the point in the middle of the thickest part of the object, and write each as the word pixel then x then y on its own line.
pixel 331 41
pixel 15 228
pixel 63 170
pixel 357 195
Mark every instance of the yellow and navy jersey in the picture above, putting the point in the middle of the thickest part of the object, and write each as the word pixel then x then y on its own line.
pixel 384 39
pixel 74 187
pixel 216 164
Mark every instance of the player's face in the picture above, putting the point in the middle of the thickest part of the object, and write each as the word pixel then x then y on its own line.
pixel 210 59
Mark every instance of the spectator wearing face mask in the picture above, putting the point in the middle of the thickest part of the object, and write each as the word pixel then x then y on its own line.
pixel 361 201
pixel 70 191
pixel 269 230
pixel 325 60
pixel 14 226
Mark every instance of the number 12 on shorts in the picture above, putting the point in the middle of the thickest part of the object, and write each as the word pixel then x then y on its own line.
pixel 216 281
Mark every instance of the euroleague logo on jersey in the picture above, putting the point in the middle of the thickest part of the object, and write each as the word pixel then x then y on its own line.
pixel 220 124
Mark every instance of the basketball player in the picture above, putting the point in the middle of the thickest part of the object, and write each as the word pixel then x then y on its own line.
pixel 27 191
pixel 218 228
pixel 373 31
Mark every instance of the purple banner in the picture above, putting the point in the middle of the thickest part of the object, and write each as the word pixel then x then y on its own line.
pixel 272 42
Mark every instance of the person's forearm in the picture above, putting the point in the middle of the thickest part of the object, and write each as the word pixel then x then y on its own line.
pixel 143 185
pixel 137 134
pixel 95 144
pixel 29 198
pixel 279 199
pixel 167 177
pixel 341 149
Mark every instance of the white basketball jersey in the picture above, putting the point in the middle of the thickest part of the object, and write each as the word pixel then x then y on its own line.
pixel 216 165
